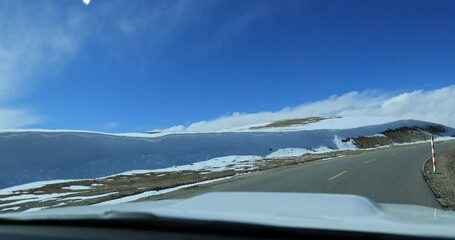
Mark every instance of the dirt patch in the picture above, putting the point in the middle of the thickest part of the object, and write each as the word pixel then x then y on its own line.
pixel 443 181
pixel 293 122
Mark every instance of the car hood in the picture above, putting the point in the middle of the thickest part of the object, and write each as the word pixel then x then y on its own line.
pixel 301 210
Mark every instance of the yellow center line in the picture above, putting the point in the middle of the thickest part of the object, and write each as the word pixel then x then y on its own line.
pixel 339 174
pixel 372 160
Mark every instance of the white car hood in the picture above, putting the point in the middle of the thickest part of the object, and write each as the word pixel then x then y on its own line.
pixel 301 210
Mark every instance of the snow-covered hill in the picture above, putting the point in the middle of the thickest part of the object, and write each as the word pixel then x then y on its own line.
pixel 38 155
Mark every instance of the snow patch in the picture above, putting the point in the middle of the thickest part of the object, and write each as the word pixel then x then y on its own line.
pixel 349 122
pixel 297 152
pixel 324 149
pixel 19 197
pixel 377 135
pixel 10 209
pixel 348 145
pixel 27 186
pixel 80 198
pixel 214 165
pixel 77 187
pixel 440 139
pixel 155 193
pixel 34 209
pixel 289 152
pixel 34 198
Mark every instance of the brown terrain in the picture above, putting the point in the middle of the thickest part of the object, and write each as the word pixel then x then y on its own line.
pixel 293 122
pixel 398 135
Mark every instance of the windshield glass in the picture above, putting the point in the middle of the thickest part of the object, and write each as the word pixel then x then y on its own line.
pixel 108 102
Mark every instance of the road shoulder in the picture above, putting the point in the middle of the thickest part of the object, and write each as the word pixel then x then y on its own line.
pixel 442 182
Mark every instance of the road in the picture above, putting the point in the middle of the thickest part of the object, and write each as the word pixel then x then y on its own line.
pixel 392 175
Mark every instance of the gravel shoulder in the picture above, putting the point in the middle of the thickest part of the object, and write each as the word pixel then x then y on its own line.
pixel 443 181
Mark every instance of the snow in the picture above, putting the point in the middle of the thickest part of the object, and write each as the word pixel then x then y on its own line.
pixel 19 197
pixel 206 152
pixel 10 209
pixel 349 145
pixel 440 139
pixel 377 135
pixel 323 149
pixel 71 155
pixel 81 198
pixel 436 139
pixel 34 198
pixel 34 209
pixel 33 185
pixel 76 187
pixel 214 165
pixel 37 130
pixel 289 152
pixel 155 193
pixel 146 135
pixel 345 122
pixel 349 122
pixel 296 152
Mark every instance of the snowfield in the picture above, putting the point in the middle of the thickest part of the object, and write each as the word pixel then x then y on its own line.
pixel 42 155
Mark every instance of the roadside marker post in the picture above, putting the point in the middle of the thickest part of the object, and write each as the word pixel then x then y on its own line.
pixel 432 153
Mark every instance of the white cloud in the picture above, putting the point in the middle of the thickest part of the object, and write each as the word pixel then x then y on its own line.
pixel 435 106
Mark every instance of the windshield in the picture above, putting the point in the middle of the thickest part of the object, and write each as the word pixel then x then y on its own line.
pixel 109 102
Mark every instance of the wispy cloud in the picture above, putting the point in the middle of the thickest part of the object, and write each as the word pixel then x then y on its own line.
pixel 433 105
pixel 16 118
pixel 234 27
pixel 38 39
pixel 143 24
pixel 35 40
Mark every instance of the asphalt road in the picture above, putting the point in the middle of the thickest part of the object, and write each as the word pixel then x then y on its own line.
pixel 391 175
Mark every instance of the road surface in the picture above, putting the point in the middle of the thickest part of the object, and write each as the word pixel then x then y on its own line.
pixel 392 175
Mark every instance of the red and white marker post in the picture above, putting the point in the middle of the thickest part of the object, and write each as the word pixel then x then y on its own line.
pixel 432 153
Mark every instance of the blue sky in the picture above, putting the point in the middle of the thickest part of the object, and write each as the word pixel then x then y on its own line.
pixel 120 66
